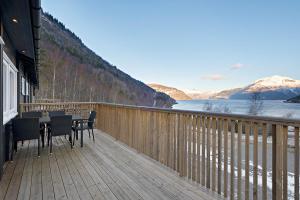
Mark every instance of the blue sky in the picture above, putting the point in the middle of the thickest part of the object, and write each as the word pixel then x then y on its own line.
pixel 192 44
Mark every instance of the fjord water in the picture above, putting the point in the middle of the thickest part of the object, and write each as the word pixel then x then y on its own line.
pixel 274 108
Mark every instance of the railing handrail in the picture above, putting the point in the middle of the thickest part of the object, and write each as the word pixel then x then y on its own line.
pixel 233 116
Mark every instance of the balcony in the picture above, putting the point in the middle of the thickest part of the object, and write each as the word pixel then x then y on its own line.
pixel 151 153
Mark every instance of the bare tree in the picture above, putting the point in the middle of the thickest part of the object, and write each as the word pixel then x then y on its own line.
pixel 223 108
pixel 289 115
pixel 208 106
pixel 226 109
pixel 256 104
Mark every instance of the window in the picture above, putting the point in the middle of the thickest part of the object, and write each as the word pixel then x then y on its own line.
pixel 9 89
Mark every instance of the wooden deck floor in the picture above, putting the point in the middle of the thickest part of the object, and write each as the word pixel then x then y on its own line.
pixel 106 169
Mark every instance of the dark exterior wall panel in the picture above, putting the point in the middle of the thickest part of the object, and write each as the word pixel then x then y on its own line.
pixel 2 139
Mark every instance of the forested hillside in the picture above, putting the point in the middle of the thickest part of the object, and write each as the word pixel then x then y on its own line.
pixel 70 71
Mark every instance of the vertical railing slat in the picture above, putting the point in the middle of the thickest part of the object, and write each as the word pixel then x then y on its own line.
pixel 232 159
pixel 278 156
pixel 208 139
pixel 220 124
pixel 189 135
pixel 255 160
pixel 194 147
pixel 284 162
pixel 264 161
pixel 239 151
pixel 225 181
pixel 214 151
pixel 185 146
pixel 247 159
pixel 198 149
pixel 203 124
pixel 296 165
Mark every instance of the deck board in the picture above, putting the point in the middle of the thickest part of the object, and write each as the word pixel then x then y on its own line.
pixel 104 169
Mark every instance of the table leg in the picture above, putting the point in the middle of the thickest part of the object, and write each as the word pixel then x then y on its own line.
pixel 76 132
pixel 81 127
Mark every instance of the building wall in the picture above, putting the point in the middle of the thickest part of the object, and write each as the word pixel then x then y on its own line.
pixel 1 107
pixel 5 130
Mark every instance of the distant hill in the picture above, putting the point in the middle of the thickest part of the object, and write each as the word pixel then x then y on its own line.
pixel 194 94
pixel 70 71
pixel 293 100
pixel 225 94
pixel 270 88
pixel 173 92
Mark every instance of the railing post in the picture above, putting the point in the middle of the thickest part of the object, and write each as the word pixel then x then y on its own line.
pixel 274 162
pixel 297 155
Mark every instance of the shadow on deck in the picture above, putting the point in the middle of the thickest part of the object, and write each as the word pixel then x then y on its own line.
pixel 106 169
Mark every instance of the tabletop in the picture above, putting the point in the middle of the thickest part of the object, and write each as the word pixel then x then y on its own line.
pixel 46 119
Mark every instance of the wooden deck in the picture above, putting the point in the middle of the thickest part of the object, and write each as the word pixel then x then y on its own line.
pixel 106 169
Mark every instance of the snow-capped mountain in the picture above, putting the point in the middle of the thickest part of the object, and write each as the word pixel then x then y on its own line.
pixel 273 88
pixel 273 83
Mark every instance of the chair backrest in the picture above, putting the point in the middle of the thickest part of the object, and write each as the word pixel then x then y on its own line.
pixel 26 129
pixel 33 114
pixel 61 125
pixel 92 119
pixel 56 113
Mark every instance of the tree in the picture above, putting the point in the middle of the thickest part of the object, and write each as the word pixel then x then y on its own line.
pixel 208 106
pixel 256 104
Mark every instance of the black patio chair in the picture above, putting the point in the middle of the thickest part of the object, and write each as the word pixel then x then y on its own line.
pixel 60 125
pixel 36 114
pixel 88 125
pixel 26 129
pixel 53 114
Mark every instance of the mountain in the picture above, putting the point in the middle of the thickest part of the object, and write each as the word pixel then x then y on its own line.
pixel 195 94
pixel 70 71
pixel 173 92
pixel 293 100
pixel 225 94
pixel 271 88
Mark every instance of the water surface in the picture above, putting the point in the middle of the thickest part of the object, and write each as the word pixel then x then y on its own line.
pixel 275 108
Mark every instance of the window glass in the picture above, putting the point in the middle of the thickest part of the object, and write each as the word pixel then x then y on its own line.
pixel 27 88
pixel 23 86
pixel 4 86
pixel 12 88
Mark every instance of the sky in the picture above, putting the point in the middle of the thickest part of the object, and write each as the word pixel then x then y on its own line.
pixel 189 44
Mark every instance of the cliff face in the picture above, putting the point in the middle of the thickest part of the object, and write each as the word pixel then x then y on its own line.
pixel 173 92
pixel 70 71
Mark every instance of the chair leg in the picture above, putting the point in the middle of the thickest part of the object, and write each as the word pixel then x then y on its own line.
pixel 16 146
pixel 71 141
pixel 49 132
pixel 11 156
pixel 43 137
pixel 39 153
pixel 93 134
pixel 50 144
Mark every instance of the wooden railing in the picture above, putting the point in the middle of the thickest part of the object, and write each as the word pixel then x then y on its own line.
pixel 237 156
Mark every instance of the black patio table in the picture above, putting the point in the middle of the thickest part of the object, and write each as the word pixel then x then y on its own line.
pixel 75 118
